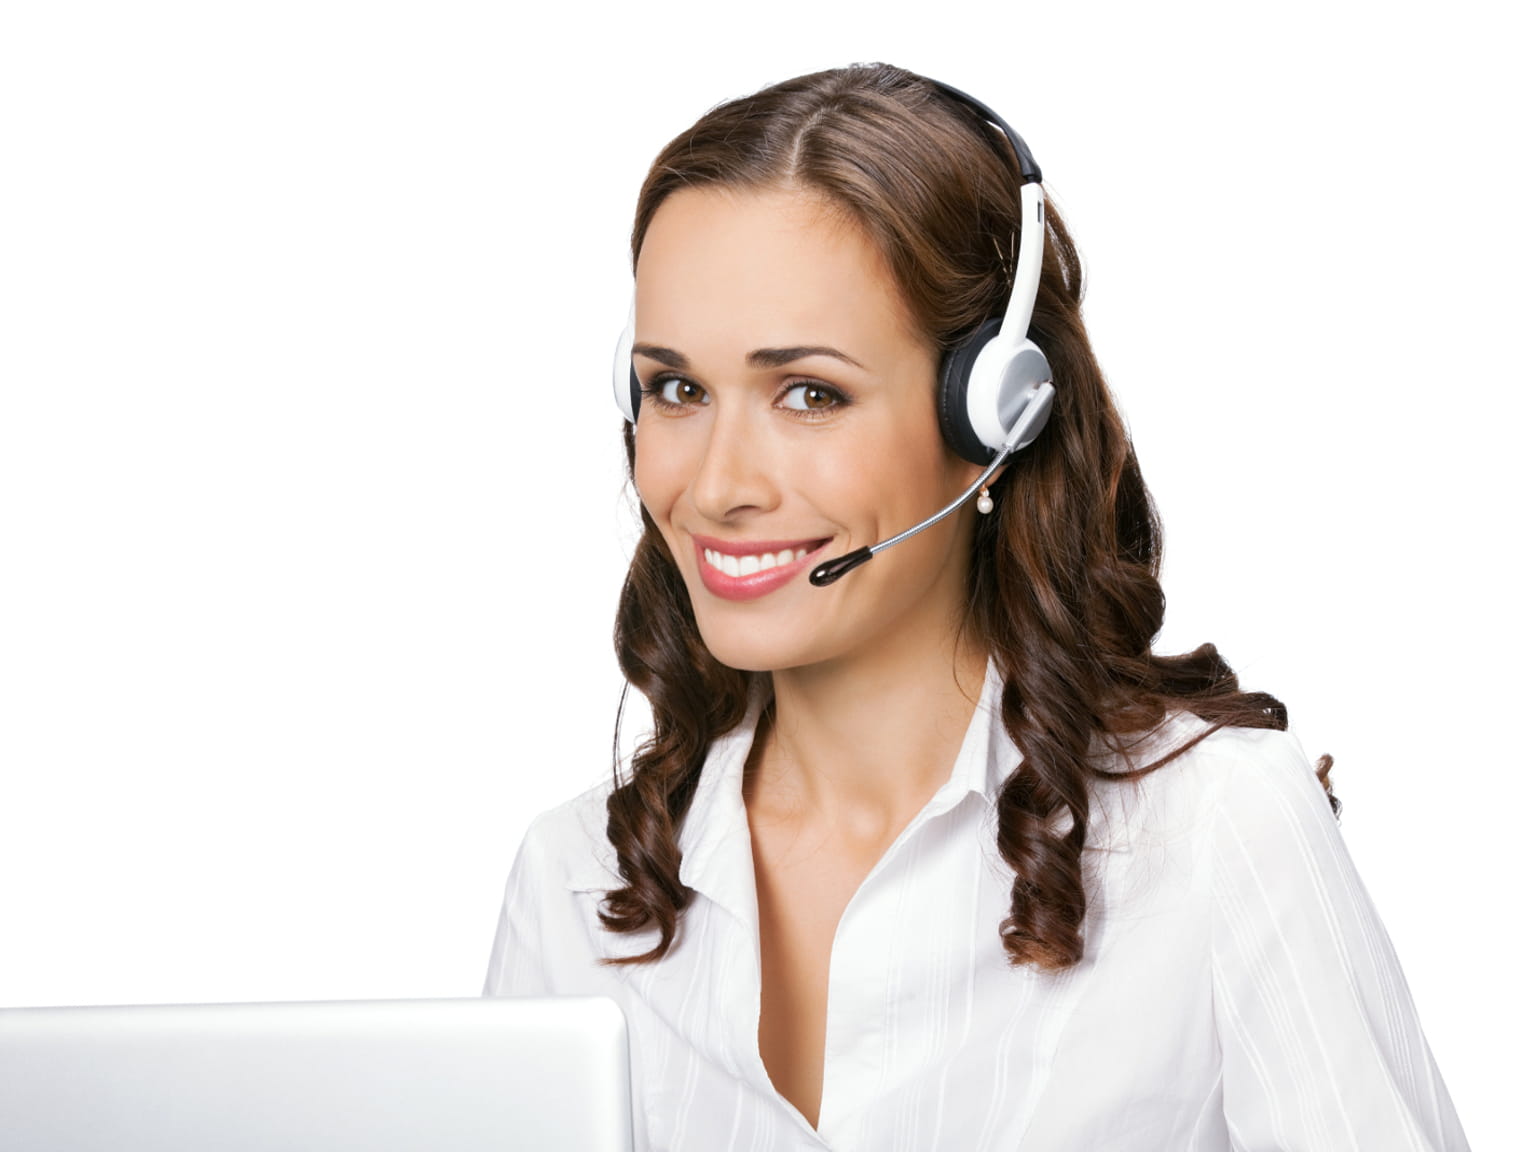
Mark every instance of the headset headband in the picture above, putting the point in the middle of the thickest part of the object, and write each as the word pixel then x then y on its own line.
pixel 1029 171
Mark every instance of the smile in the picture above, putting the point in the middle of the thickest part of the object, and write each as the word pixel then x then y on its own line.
pixel 747 569
pixel 733 565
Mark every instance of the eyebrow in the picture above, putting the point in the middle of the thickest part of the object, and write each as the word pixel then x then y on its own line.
pixel 761 358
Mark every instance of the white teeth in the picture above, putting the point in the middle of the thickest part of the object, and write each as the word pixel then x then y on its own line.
pixel 751 565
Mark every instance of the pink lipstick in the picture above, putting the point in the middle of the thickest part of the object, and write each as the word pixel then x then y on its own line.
pixel 747 569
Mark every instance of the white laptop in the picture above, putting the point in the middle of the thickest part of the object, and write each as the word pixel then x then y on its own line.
pixel 385 1076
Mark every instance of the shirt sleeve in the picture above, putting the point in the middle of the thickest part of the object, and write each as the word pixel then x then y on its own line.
pixel 1321 1047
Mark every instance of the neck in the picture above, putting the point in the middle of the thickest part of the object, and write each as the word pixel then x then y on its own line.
pixel 869 743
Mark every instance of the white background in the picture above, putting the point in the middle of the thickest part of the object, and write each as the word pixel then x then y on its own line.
pixel 311 509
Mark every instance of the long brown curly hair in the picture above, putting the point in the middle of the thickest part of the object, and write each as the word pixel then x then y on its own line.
pixel 1064 590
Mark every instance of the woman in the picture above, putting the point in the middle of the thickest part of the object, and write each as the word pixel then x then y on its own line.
pixel 938 854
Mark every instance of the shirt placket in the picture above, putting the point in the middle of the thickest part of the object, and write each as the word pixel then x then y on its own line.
pixel 865 973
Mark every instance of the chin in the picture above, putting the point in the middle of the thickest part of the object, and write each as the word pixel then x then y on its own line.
pixel 762 646
pixel 746 654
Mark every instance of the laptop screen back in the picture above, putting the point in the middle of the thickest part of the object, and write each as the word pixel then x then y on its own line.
pixel 385 1076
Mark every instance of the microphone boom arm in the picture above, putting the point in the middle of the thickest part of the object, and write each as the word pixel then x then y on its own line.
pixel 1024 430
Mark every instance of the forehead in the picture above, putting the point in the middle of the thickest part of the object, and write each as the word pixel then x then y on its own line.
pixel 763 268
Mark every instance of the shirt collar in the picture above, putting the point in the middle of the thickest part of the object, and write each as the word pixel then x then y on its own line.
pixel 987 755
pixel 715 840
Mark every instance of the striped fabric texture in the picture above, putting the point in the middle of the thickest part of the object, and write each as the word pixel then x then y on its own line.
pixel 1238 992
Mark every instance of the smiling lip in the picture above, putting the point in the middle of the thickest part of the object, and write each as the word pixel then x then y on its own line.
pixel 747 569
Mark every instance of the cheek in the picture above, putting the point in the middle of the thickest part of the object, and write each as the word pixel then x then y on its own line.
pixel 910 472
pixel 652 481
pixel 661 478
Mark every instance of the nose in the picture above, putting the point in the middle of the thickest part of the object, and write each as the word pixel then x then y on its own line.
pixel 735 474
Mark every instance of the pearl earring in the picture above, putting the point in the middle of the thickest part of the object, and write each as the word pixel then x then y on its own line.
pixel 984 501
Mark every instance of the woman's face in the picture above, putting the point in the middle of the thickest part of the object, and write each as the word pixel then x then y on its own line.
pixel 789 417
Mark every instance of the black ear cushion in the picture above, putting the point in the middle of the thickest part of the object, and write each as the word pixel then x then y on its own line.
pixel 634 395
pixel 954 381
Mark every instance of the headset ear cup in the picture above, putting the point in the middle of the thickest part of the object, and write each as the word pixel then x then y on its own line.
pixel 954 387
pixel 626 385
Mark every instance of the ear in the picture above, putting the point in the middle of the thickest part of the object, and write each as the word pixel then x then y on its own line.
pixel 969 473
pixel 984 500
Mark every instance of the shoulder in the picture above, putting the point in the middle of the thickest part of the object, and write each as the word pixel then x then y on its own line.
pixel 1251 778
pixel 1205 750
pixel 1232 761
pixel 548 938
pixel 1257 814
pixel 1232 774
pixel 567 846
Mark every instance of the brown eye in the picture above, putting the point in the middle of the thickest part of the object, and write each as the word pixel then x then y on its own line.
pixel 810 397
pixel 678 392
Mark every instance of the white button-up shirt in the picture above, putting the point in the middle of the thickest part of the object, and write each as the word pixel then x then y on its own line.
pixel 1237 992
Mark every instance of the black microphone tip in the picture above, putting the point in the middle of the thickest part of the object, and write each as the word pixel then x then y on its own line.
pixel 824 574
